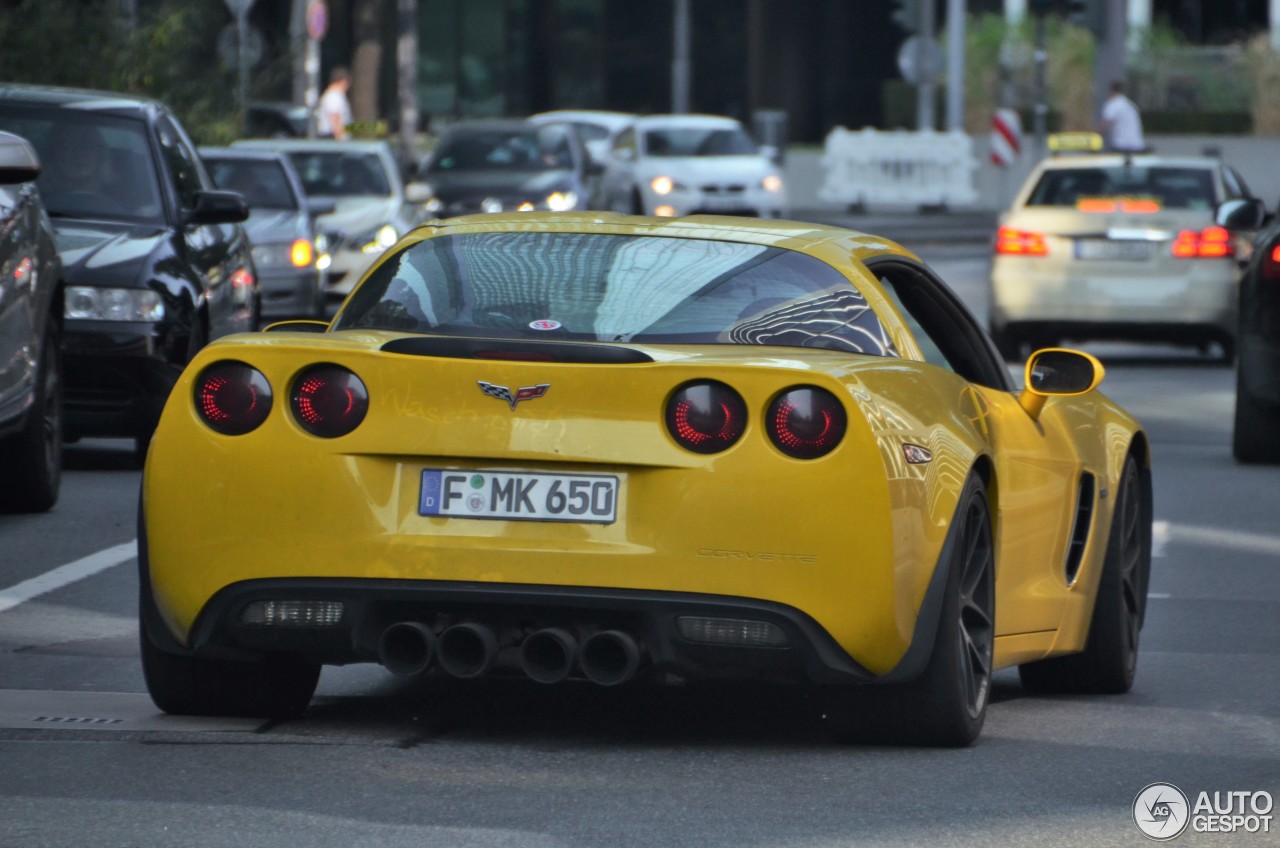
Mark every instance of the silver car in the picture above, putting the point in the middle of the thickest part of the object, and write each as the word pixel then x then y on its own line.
pixel 292 265
pixel 374 205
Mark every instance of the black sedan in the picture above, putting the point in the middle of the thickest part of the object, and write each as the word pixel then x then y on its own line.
pixel 292 273
pixel 154 260
pixel 30 324
pixel 1256 436
pixel 511 166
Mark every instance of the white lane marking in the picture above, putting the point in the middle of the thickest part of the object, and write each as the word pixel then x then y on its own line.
pixel 1159 596
pixel 1159 537
pixel 1214 537
pixel 65 575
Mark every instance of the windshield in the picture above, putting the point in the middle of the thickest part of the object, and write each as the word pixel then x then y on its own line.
pixel 263 184
pixel 616 288
pixel 533 149
pixel 93 166
pixel 1168 187
pixel 337 174
pixel 698 141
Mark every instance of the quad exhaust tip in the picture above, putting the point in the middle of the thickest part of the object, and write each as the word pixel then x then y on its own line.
pixel 407 648
pixel 610 658
pixel 467 650
pixel 548 655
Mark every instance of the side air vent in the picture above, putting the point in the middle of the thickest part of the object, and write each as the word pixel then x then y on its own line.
pixel 519 351
pixel 1080 528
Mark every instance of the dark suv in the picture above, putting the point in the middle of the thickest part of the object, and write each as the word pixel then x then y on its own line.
pixel 30 320
pixel 154 262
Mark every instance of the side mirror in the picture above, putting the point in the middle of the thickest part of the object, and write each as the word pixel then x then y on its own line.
pixel 317 206
pixel 418 192
pixel 1058 372
pixel 18 160
pixel 625 154
pixel 1241 214
pixel 218 207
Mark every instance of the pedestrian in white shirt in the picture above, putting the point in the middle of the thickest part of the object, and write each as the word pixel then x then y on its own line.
pixel 333 113
pixel 1121 124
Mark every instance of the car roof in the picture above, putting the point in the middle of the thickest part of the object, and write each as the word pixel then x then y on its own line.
pixel 327 145
pixel 652 121
pixel 85 99
pixel 243 153
pixel 837 243
pixel 597 116
pixel 1118 160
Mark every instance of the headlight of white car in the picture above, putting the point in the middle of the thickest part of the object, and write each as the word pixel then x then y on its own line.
pixel 772 182
pixel 562 201
pixel 665 185
pixel 376 241
pixel 93 303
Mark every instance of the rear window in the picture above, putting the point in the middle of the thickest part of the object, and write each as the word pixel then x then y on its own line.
pixel 263 184
pixel 1169 187
pixel 609 288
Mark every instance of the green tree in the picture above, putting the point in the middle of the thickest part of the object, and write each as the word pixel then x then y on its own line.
pixel 170 55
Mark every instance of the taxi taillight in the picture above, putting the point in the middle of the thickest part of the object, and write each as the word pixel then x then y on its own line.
pixel 1015 242
pixel 1209 243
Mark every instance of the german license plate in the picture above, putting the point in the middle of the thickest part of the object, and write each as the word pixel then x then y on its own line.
pixel 519 496
pixel 1120 250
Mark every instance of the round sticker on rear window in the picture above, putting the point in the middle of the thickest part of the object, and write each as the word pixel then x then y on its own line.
pixel 544 324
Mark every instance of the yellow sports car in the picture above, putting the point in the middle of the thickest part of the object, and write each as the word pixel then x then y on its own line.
pixel 591 447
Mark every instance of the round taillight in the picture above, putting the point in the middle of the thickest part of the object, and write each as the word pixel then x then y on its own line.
pixel 329 401
pixel 806 422
pixel 706 416
pixel 232 397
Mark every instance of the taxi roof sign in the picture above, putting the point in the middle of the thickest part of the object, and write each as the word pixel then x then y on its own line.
pixel 1075 142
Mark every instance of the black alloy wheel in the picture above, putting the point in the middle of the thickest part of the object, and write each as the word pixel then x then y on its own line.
pixel 1254 436
pixel 946 705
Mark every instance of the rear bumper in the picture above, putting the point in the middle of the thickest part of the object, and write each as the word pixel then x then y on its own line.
pixel 513 611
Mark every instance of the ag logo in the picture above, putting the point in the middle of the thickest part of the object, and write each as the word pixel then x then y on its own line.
pixel 1161 811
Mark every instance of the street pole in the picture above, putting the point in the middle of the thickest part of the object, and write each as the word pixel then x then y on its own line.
pixel 407 79
pixel 926 90
pixel 1040 119
pixel 955 65
pixel 681 76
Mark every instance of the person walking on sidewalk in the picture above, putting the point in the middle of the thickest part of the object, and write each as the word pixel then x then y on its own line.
pixel 333 113
pixel 1121 124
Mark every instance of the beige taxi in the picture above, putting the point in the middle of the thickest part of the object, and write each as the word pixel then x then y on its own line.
pixel 1104 245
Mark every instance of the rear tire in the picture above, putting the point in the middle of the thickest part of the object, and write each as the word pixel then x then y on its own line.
pixel 946 705
pixel 1254 435
pixel 32 458
pixel 179 684
pixel 1109 661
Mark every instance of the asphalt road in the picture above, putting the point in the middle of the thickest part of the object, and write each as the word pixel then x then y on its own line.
pixel 382 762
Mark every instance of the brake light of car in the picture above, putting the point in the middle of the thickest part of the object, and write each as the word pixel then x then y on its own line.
pixel 806 422
pixel 706 416
pixel 1271 263
pixel 1012 242
pixel 301 253
pixel 328 400
pixel 232 398
pixel 1209 243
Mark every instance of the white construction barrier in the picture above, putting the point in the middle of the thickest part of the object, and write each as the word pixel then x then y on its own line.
pixel 898 168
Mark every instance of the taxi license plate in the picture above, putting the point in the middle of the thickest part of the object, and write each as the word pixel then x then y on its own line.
pixel 518 496
pixel 1123 251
